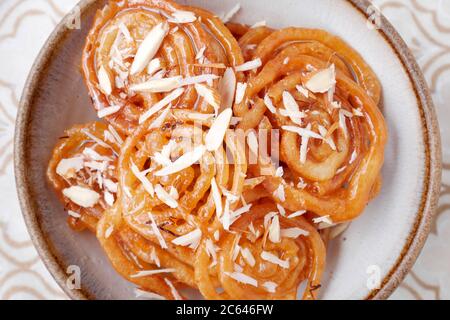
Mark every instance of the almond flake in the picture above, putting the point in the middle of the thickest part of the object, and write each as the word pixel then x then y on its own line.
pixel 240 92
pixel 198 79
pixel 227 17
pixel 249 65
pixel 161 104
pixel 343 123
pixel 181 16
pixel 68 167
pixel 325 219
pixel 248 257
pixel 115 134
pixel 109 231
pixel 183 162
pixel 329 140
pixel 302 90
pixel 154 66
pixel 200 53
pixel 216 197
pixel 149 47
pixel 108 111
pixel 123 28
pixel 270 286
pixel 274 230
pixel 286 60
pixel 191 239
pixel 259 24
pixel 358 112
pixel 83 197
pixel 209 95
pixel 322 81
pixel 158 85
pixel 148 295
pixel 353 157
pixel 104 81
pixel 226 218
pixel 279 172
pixel 110 185
pixel 281 210
pixel 274 259
pixel 109 198
pixel 269 104
pixel 293 233
pixel 97 140
pixel 292 108
pixel 158 122
pixel 146 273
pixel 141 176
pixel 296 214
pixel 74 214
pixel 216 134
pixel 242 278
pixel 227 88
pixel 156 231
pixel 173 290
pixel 279 193
pixel 173 192
pixel 165 197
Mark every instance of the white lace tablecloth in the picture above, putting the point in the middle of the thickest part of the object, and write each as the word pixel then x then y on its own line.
pixel 26 24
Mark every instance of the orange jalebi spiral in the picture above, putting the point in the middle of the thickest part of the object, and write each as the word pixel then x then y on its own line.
pixel 345 154
pixel 201 47
pixel 303 259
pixel 188 195
pixel 86 157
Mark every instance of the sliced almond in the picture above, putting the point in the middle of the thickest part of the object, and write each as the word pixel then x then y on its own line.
pixel 108 111
pixel 154 66
pixel 183 162
pixel 216 134
pixel 210 96
pixel 181 16
pixel 158 85
pixel 191 239
pixel 68 167
pixel 249 65
pixel 322 81
pixel 104 81
pixel 274 259
pixel 227 88
pixel 269 104
pixel 165 197
pixel 149 47
pixel 293 233
pixel 84 197
pixel 161 104
pixel 240 92
pixel 274 230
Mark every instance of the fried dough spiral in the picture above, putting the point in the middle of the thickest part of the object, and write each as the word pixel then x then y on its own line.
pixel 229 155
pixel 86 158
pixel 332 138
pixel 191 46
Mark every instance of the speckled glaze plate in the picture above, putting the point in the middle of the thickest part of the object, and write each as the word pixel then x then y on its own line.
pixel 387 238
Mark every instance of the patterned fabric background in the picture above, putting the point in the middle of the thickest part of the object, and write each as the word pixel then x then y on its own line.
pixel 425 26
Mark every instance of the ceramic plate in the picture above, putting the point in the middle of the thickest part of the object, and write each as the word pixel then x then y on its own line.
pixel 384 241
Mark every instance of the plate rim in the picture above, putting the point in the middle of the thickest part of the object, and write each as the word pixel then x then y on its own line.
pixel 430 133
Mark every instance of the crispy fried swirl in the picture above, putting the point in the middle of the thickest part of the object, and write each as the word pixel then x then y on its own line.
pixel 203 46
pixel 324 99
